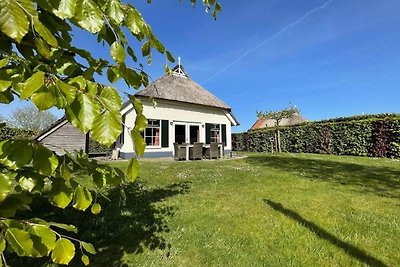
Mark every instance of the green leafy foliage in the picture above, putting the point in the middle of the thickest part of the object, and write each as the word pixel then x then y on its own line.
pixel 82 198
pixel 8 133
pixel 39 63
pixel 63 252
pixel 375 136
pixel 96 208
pixel 20 241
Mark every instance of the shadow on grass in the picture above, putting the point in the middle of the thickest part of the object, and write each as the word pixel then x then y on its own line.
pixel 119 229
pixel 349 249
pixel 382 181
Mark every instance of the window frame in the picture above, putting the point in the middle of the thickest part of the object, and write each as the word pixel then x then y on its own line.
pixel 215 128
pixel 151 126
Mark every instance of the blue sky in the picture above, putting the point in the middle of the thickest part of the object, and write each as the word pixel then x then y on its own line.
pixel 341 60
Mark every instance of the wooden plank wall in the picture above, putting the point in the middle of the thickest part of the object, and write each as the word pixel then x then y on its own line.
pixel 66 137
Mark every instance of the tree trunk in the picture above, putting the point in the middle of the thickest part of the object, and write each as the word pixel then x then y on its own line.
pixel 279 141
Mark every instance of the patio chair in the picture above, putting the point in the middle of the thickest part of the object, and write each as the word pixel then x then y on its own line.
pixel 196 152
pixel 179 152
pixel 212 152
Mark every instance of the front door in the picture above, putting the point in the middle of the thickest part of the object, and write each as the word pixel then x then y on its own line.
pixel 187 133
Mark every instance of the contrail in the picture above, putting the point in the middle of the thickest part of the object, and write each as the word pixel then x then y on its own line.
pixel 284 29
pixel 268 11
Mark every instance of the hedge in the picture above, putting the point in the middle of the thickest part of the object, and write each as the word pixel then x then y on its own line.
pixel 14 133
pixel 373 136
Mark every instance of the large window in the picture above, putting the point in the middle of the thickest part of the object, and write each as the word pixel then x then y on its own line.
pixel 152 133
pixel 215 133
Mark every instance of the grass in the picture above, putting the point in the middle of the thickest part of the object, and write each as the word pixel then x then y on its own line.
pixel 266 210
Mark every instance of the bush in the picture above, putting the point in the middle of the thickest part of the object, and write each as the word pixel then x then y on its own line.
pixel 374 136
pixel 14 133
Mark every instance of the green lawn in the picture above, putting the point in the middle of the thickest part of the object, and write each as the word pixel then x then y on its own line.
pixel 283 210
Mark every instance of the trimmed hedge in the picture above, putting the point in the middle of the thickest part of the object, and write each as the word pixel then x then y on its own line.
pixel 374 136
pixel 96 148
pixel 14 133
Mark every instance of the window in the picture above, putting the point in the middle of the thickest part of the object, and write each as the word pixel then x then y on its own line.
pixel 215 133
pixel 152 133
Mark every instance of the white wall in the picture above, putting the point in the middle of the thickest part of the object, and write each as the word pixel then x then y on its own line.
pixel 176 112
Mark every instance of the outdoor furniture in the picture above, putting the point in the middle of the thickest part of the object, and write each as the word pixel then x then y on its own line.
pixel 196 152
pixel 213 151
pixel 179 152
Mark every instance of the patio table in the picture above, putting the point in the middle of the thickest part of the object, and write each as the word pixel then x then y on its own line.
pixel 188 146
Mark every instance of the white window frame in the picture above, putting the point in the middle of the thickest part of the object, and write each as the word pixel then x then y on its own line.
pixel 153 127
pixel 215 128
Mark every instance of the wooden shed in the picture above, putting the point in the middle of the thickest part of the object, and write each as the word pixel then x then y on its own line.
pixel 61 136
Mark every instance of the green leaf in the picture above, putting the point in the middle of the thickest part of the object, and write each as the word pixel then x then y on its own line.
pixel 88 247
pixel 113 75
pixel 2 245
pixel 6 97
pixel 44 161
pixel 140 122
pixel 92 88
pixel 19 152
pixel 134 21
pixel 137 104
pixel 111 98
pixel 66 9
pixel 43 238
pixel 5 186
pixel 107 126
pixel 10 223
pixel 96 208
pixel 114 11
pixel 3 62
pixel 43 48
pixel 138 142
pixel 13 21
pixel 82 198
pixel 170 57
pixel 131 53
pixel 88 15
pixel 65 171
pixel 60 194
pixel 146 49
pixel 82 112
pixel 132 169
pixel 14 202
pixel 63 251
pixel 27 183
pixel 80 82
pixel 4 84
pixel 66 227
pixel 67 90
pixel 158 45
pixel 85 260
pixel 19 241
pixel 117 52
pixel 44 98
pixel 45 33
pixel 32 84
pixel 130 76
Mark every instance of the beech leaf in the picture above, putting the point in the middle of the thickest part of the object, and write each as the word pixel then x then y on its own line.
pixel 63 251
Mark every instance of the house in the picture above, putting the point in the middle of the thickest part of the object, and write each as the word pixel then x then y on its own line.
pixel 185 113
pixel 296 118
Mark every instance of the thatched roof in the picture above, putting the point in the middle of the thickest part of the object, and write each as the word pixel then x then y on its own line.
pixel 179 87
pixel 265 122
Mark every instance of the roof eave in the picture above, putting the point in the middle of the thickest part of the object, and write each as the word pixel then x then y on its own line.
pixel 53 127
